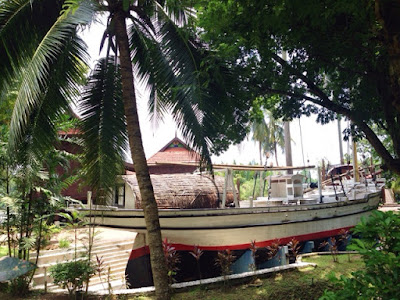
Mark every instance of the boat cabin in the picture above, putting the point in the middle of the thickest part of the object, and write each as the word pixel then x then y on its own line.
pixel 286 186
pixel 172 191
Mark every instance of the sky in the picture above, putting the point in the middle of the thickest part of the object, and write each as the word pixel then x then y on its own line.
pixel 319 141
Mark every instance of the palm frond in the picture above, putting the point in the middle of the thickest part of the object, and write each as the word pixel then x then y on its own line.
pixel 177 11
pixel 189 81
pixel 165 72
pixel 209 84
pixel 21 29
pixel 59 48
pixel 103 124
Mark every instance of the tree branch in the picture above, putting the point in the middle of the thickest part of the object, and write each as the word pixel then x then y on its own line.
pixel 324 101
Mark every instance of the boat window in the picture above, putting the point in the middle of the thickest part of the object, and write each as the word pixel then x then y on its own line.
pixel 119 195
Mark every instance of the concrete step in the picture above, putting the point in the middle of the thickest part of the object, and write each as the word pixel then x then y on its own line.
pixel 67 254
pixel 93 287
pixel 97 245
pixel 108 259
pixel 114 255
pixel 113 276
pixel 117 270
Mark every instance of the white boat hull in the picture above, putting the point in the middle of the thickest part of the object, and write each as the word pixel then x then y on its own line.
pixel 235 228
pixel 214 230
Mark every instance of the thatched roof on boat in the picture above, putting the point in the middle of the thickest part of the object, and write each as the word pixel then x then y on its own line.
pixel 182 190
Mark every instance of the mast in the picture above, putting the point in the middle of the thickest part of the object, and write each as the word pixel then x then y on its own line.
pixel 288 146
pixel 355 163
pixel 286 130
pixel 339 118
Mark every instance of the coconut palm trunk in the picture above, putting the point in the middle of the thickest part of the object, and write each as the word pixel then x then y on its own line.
pixel 160 274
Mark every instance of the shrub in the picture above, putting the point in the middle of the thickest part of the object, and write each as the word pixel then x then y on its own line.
pixel 64 243
pixel 47 232
pixel 380 249
pixel 172 259
pixel 72 275
pixel 197 253
pixel 294 249
pixel 225 260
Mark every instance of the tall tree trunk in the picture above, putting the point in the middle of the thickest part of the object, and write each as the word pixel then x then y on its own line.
pixel 8 232
pixel 158 263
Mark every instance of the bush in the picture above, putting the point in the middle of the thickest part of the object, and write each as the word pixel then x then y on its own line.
pixel 64 243
pixel 380 249
pixel 72 275
pixel 47 232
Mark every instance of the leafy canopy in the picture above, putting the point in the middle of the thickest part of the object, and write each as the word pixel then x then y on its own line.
pixel 317 57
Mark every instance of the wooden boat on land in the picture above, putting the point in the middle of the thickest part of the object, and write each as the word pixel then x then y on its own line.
pixel 288 215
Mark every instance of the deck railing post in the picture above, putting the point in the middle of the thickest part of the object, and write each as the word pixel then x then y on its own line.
pixel 225 188
pixel 319 185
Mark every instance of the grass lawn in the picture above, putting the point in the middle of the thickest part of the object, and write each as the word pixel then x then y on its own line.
pixel 306 283
pixel 3 251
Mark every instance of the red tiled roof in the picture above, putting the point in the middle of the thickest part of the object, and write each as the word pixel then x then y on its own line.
pixel 174 156
pixel 174 153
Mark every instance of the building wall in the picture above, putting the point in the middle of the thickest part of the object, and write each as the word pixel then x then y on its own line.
pixel 171 169
pixel 130 198
pixel 77 190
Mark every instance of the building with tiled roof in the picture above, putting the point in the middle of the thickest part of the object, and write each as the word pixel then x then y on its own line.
pixel 175 151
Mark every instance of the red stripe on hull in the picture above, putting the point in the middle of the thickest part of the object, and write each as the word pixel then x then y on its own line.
pixel 135 253
pixel 305 237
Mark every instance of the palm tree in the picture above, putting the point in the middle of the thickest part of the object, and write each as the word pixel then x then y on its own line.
pixel 268 133
pixel 260 134
pixel 41 46
pixel 276 137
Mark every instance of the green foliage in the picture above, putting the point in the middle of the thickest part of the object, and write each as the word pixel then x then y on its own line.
pixel 47 232
pixel 19 286
pixel 380 249
pixel 72 275
pixel 64 243
pixel 3 251
pixel 266 130
pixel 250 183
pixel 313 57
pixel 224 260
pixel 104 127
pixel 172 259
